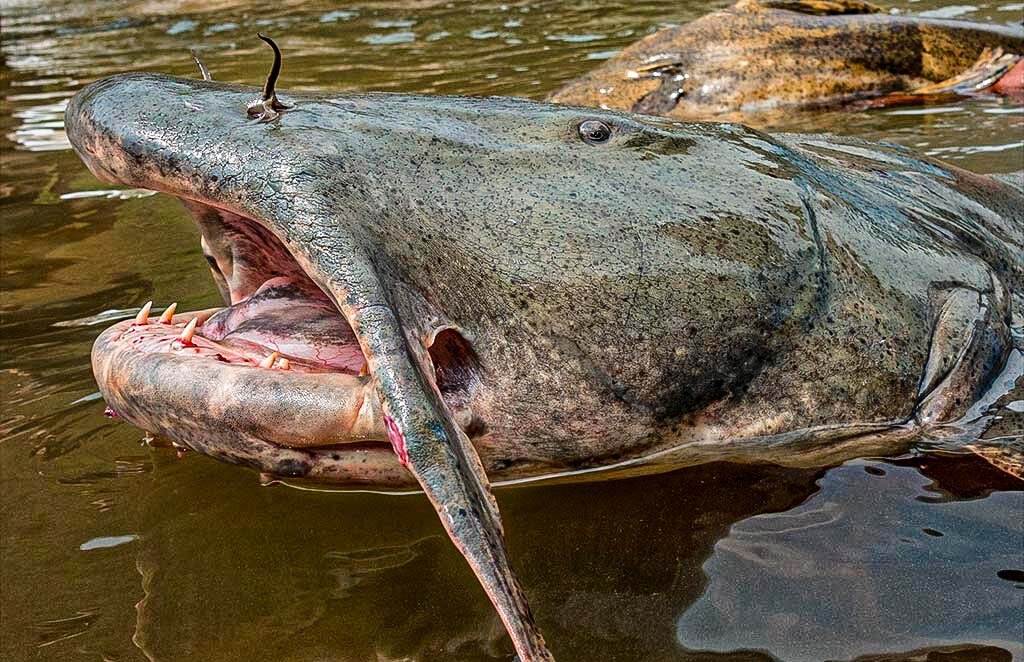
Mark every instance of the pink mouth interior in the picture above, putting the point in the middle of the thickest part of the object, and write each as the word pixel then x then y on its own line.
pixel 286 315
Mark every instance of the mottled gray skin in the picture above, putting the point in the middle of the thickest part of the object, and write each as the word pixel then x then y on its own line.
pixel 699 287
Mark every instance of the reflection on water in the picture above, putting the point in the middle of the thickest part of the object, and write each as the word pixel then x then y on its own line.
pixel 375 578
pixel 780 582
pixel 116 551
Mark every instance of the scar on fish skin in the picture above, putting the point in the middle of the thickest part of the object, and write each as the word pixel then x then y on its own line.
pixel 202 67
pixel 269 107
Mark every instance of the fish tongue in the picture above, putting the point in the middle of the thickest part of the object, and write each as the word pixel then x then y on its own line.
pixel 447 467
pixel 297 321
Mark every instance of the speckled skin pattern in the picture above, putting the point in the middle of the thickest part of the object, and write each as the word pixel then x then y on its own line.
pixel 754 57
pixel 691 286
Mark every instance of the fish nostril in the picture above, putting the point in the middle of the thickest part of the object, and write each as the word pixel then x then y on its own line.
pixel 456 364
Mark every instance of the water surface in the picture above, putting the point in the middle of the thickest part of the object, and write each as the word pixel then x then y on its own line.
pixel 116 551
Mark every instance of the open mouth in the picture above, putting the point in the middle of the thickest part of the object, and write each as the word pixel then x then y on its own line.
pixel 277 316
pixel 285 324
pixel 275 379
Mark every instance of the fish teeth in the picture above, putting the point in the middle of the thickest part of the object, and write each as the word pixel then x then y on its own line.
pixel 269 361
pixel 284 364
pixel 165 318
pixel 143 316
pixel 189 331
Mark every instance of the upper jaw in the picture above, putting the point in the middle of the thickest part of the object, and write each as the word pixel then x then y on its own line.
pixel 190 139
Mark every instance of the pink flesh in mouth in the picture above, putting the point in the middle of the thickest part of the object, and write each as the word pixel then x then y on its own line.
pixel 286 317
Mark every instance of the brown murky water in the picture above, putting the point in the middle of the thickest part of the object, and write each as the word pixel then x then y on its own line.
pixel 114 551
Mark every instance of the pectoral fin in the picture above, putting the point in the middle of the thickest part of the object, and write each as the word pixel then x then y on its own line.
pixel 969 344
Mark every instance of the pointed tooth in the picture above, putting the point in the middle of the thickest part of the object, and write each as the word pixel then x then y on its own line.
pixel 189 331
pixel 365 370
pixel 284 364
pixel 143 316
pixel 269 361
pixel 165 318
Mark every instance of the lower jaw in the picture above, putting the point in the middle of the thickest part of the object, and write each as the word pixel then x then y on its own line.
pixel 322 426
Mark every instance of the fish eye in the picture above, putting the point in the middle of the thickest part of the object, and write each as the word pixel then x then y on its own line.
pixel 594 132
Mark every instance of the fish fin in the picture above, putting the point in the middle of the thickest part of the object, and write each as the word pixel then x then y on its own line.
pixel 970 340
pixel 983 74
pixel 815 7
pixel 971 350
pixel 994 72
pixel 1011 83
pixel 662 99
